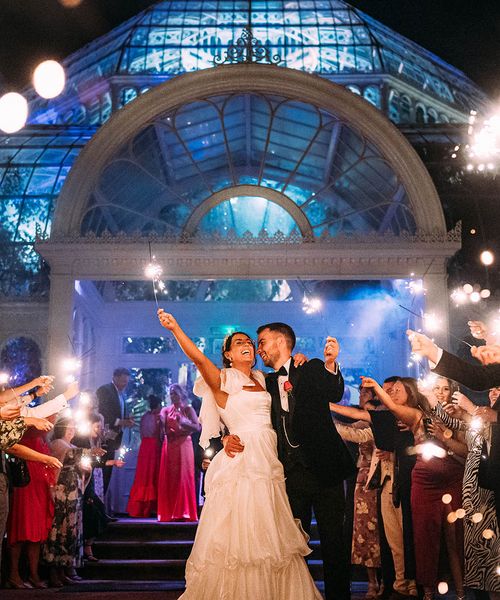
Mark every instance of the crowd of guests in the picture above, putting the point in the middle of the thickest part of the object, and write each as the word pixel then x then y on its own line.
pixel 427 490
pixel 426 494
pixel 53 479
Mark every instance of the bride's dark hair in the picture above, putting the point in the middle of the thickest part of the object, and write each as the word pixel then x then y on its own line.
pixel 226 345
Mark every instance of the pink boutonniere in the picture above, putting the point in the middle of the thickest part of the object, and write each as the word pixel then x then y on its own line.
pixel 288 387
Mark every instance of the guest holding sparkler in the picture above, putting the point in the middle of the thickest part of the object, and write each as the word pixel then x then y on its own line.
pixel 32 507
pixel 437 471
pixel 143 495
pixel 64 546
pixel 176 489
pixel 112 405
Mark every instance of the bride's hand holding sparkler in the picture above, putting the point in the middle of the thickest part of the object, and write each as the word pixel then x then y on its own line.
pixel 167 320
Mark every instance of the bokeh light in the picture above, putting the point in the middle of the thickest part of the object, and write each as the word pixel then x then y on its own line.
pixel 49 79
pixel 13 112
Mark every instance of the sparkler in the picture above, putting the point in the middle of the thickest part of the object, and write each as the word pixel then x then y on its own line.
pixel 153 271
pixel 435 323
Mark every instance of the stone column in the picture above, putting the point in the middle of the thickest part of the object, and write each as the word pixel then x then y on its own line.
pixel 60 326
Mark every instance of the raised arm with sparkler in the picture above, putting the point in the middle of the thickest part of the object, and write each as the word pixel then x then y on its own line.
pixel 210 373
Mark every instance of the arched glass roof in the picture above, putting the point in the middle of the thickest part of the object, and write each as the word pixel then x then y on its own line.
pixel 322 166
pixel 327 37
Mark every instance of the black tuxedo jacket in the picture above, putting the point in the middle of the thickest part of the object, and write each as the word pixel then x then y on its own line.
pixel 110 409
pixel 475 377
pixel 321 448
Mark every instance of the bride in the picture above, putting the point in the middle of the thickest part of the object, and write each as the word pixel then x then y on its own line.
pixel 247 544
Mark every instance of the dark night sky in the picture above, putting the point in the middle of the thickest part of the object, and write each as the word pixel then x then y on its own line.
pixel 465 33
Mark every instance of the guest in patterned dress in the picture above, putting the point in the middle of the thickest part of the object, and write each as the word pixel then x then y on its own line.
pixel 64 546
pixel 365 537
pixel 481 527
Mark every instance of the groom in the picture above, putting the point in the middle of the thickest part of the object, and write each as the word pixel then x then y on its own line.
pixel 314 458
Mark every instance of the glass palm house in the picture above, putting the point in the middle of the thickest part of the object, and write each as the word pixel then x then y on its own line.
pixel 247 166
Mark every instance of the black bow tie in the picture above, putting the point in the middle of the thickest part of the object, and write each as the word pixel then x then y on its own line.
pixel 282 371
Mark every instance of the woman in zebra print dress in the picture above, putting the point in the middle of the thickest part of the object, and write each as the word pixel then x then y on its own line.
pixel 481 538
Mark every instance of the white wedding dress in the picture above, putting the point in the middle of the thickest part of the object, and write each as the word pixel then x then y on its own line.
pixel 248 544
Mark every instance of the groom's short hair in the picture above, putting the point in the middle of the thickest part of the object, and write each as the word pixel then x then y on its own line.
pixel 282 328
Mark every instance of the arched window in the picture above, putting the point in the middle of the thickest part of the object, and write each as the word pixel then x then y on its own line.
pixel 394 114
pixel 420 115
pixel 432 116
pixel 372 95
pixel 405 109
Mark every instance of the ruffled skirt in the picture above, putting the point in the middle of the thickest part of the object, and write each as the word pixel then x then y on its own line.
pixel 248 544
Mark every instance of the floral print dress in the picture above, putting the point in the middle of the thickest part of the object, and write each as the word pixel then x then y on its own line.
pixel 64 546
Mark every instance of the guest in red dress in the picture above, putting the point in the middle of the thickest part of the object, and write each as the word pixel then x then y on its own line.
pixel 176 488
pixel 143 495
pixel 31 511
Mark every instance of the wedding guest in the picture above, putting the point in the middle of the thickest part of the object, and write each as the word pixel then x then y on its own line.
pixel 63 548
pixel 144 493
pixel 392 468
pixel 95 518
pixel 475 377
pixel 432 477
pixel 365 549
pixel 480 522
pixel 176 488
pixel 113 407
pixel 32 507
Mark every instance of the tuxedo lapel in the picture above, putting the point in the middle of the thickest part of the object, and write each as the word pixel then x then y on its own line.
pixel 272 388
pixel 293 378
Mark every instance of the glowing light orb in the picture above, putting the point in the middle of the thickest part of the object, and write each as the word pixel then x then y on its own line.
pixel 209 452
pixel 432 322
pixel 452 517
pixel 486 293
pixel 49 79
pixel 446 498
pixel 84 428
pixel 467 288
pixel 459 296
pixel 488 534
pixel 13 112
pixel 430 450
pixel 476 424
pixel 70 3
pixel 85 399
pixel 85 462
pixel 460 513
pixel 487 257
pixel 4 378
pixel 477 517
pixel 442 587
pixel 475 297
pixel 71 364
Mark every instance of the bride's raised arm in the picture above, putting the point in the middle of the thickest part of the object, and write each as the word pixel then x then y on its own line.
pixel 209 372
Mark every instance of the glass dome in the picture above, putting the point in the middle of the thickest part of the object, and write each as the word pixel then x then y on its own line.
pixel 327 37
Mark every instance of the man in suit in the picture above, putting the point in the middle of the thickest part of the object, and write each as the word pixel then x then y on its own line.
pixel 112 406
pixel 314 458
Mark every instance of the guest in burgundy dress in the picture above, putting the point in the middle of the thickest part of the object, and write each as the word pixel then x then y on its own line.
pixel 143 495
pixel 176 488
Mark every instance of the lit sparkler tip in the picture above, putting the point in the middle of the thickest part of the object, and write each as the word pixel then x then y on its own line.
pixel 4 378
pixel 153 271
pixel 71 364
